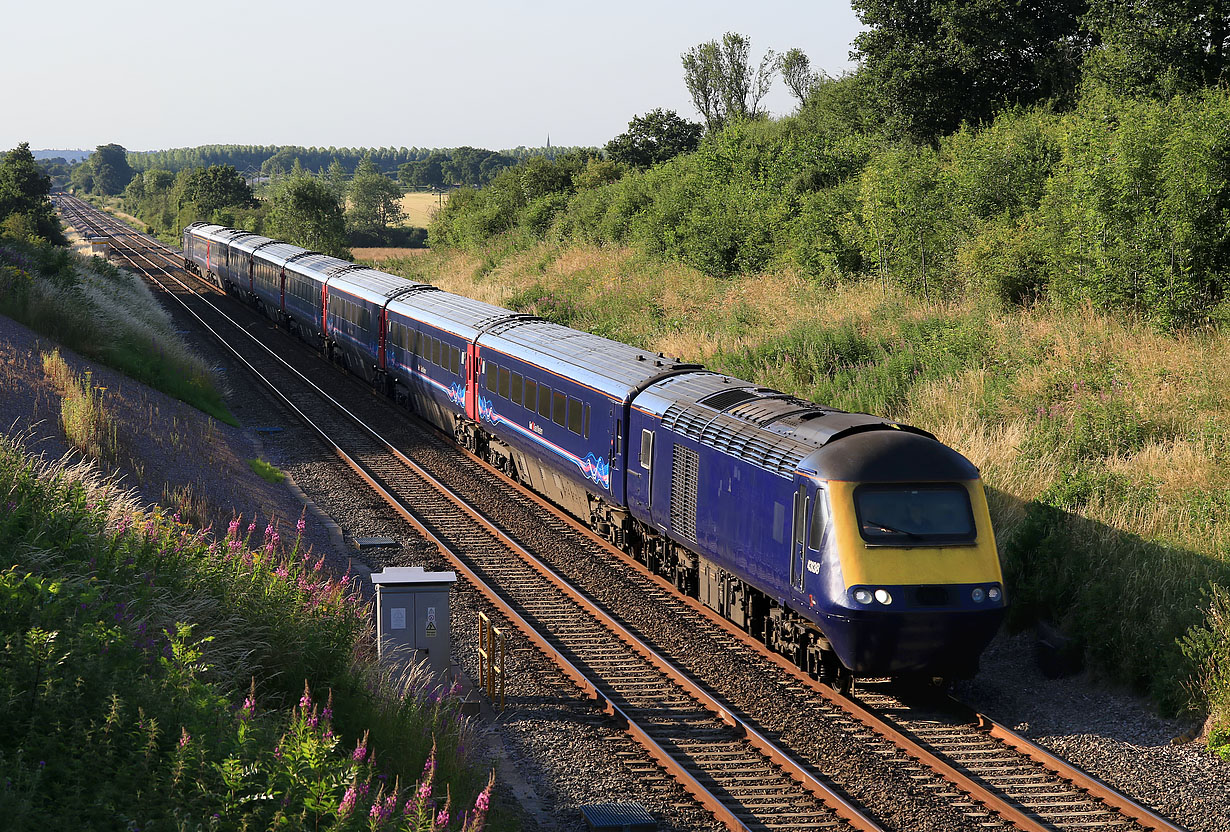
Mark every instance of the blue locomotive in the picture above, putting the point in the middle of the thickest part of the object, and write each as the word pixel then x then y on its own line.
pixel 854 545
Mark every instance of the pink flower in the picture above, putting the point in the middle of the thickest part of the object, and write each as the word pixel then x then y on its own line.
pixel 360 751
pixel 305 701
pixel 442 818
pixel 184 738
pixel 301 525
pixel 347 804
pixel 252 527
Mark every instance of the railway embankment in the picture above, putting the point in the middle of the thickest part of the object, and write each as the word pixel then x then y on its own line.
pixel 158 670
pixel 1102 440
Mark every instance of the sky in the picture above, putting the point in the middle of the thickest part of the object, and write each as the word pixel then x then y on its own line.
pixel 351 73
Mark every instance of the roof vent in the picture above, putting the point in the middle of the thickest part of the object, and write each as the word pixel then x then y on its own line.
pixel 724 399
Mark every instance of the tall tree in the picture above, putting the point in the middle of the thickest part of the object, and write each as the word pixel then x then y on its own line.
pixel 23 196
pixel 303 211
pixel 335 177
pixel 936 63
pixel 722 81
pixel 1160 47
pixel 798 75
pixel 373 199
pixel 214 188
pixel 653 138
pixel 111 170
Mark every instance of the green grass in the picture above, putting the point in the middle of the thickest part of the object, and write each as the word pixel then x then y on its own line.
pixel 154 679
pixel 267 471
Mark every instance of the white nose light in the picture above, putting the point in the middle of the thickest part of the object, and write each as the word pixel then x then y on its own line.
pixel 993 593
pixel 883 597
pixel 978 594
pixel 863 596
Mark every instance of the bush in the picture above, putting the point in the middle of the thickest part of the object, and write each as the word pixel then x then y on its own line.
pixel 156 679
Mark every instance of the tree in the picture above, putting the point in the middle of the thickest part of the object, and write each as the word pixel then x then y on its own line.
pixel 303 211
pixel 653 138
pixel 214 188
pixel 335 177
pixel 373 199
pixel 722 82
pixel 111 170
pixel 1159 47
pixel 23 194
pixel 933 64
pixel 796 72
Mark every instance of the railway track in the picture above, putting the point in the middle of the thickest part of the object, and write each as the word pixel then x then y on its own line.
pixel 995 777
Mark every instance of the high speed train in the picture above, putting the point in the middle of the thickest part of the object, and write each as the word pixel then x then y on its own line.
pixel 852 544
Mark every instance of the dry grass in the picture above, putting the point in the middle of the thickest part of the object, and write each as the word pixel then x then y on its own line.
pixel 379 255
pixel 420 207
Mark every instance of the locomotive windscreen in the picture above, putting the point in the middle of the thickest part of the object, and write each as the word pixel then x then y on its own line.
pixel 914 515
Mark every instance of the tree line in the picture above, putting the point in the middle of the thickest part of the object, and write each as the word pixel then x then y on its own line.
pixel 434 167
pixel 1080 152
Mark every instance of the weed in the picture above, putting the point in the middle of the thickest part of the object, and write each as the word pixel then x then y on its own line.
pixel 267 471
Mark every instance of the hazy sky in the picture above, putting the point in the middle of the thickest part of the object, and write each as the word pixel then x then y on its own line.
pixel 360 72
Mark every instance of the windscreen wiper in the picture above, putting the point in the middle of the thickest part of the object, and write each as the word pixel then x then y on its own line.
pixel 886 528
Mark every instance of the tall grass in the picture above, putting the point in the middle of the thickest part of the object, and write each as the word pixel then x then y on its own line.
pixel 88 424
pixel 154 679
pixel 93 308
pixel 1103 441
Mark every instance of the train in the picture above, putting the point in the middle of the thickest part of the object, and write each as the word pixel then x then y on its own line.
pixel 854 545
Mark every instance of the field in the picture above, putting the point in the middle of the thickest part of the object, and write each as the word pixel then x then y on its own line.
pixel 1103 442
pixel 420 206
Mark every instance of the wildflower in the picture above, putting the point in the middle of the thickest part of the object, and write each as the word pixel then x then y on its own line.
pixel 442 818
pixel 252 527
pixel 282 572
pixel 233 529
pixel 277 752
pixel 301 525
pixel 314 719
pixel 249 704
pixel 175 517
pixel 305 701
pixel 269 531
pixel 360 751
pixel 382 809
pixel 347 804
pixel 184 738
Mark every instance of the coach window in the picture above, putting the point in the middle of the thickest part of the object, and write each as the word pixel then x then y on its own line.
pixel 587 421
pixel 435 351
pixel 576 409
pixel 492 372
pixel 516 388
pixel 544 401
pixel 456 361
pixel 560 410
pixel 531 394
pixel 646 449
pixel 504 382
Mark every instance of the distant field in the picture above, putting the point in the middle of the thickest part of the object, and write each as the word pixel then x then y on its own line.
pixel 419 207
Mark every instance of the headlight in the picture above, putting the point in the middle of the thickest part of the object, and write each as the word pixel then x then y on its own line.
pixel 883 596
pixel 863 596
pixel 994 594
pixel 978 594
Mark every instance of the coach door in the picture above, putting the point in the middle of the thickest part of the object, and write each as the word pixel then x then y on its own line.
pixel 471 376
pixel 801 505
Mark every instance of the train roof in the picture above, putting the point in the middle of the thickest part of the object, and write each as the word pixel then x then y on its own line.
pixel 372 285
pixel 314 265
pixel 784 434
pixel 208 231
pixel 616 369
pixel 250 243
pixel 457 314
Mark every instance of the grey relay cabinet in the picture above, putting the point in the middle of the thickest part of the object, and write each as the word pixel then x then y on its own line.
pixel 412 615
